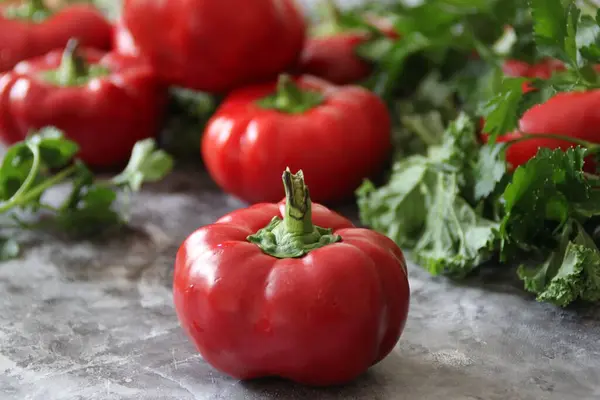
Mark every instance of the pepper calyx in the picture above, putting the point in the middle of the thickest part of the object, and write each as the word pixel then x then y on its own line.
pixel 295 235
pixel 290 98
pixel 73 69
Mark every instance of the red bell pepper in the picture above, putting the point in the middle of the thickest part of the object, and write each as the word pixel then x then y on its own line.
pixel 573 115
pixel 31 29
pixel 215 46
pixel 123 41
pixel 332 56
pixel 338 134
pixel 105 103
pixel 291 290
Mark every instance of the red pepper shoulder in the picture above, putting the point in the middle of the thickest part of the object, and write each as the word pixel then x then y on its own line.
pixel 53 59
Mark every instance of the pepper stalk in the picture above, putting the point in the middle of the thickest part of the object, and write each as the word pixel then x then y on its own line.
pixel 290 98
pixel 295 235
pixel 73 69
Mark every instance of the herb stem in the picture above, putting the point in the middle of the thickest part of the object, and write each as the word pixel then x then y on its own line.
pixel 33 171
pixel 22 196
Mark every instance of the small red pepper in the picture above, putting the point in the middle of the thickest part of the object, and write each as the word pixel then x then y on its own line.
pixel 291 290
pixel 542 70
pixel 332 56
pixel 571 114
pixel 104 103
pixel 123 40
pixel 215 46
pixel 339 134
pixel 29 30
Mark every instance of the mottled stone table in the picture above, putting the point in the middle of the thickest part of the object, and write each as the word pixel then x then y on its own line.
pixel 96 321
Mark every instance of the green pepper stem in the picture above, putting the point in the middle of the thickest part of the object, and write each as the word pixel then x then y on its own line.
pixel 288 93
pixel 295 235
pixel 289 98
pixel 333 13
pixel 298 208
pixel 72 65
pixel 37 4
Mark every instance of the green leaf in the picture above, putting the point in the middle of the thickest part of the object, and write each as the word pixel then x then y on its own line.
pixel 490 169
pixel 423 118
pixel 550 27
pixel 542 195
pixel 15 169
pixel 459 149
pixel 456 238
pixel 424 205
pixel 571 272
pixel 391 64
pixel 501 112
pixel 571 49
pixel 397 209
pixel 55 150
pixel 375 49
pixel 146 164
pixel 588 38
pixel 476 84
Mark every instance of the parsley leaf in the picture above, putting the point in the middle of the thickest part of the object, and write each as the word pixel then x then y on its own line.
pixel 146 164
pixel 588 38
pixel 547 205
pixel 571 272
pixel 501 111
pixel 551 28
pixel 541 197
pixel 456 238
pixel 437 35
pixel 424 207
pixel 490 169
pixel 46 159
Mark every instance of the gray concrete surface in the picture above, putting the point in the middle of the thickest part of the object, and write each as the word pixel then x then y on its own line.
pixel 95 321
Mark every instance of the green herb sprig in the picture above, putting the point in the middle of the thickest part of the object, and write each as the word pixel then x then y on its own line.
pixel 47 159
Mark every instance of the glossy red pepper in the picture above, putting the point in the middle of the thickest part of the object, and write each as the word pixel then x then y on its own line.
pixel 103 102
pixel 215 46
pixel 572 114
pixel 264 296
pixel 332 56
pixel 123 40
pixel 339 135
pixel 30 30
